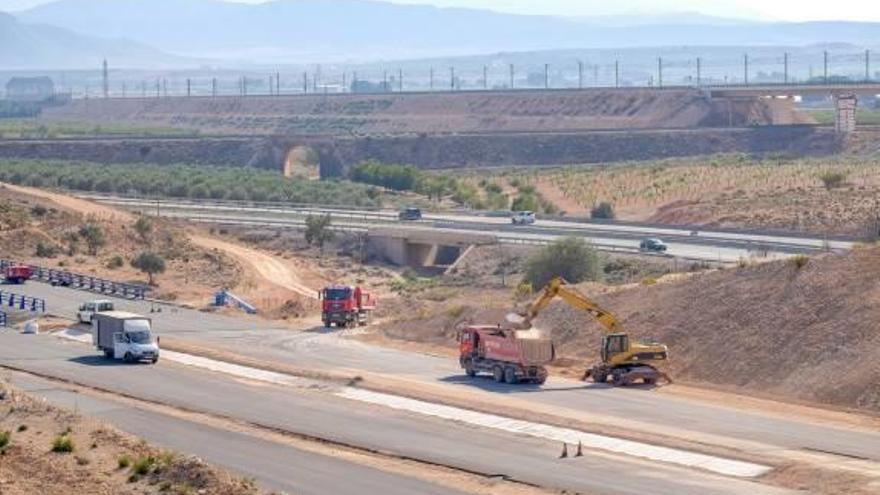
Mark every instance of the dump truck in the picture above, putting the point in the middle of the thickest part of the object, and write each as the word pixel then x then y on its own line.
pixel 511 356
pixel 17 274
pixel 346 306
pixel 126 336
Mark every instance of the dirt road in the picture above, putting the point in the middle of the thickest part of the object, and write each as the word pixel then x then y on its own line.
pixel 73 204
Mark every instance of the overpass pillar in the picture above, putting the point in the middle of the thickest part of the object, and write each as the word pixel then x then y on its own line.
pixel 845 113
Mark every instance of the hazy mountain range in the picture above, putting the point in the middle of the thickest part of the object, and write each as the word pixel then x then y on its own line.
pixel 296 31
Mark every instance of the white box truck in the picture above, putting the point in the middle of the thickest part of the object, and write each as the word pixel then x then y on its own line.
pixel 126 336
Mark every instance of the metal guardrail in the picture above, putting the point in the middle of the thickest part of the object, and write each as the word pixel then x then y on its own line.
pixel 22 302
pixel 2 319
pixel 83 282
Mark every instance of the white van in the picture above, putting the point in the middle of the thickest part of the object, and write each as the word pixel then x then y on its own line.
pixel 125 336
pixel 87 310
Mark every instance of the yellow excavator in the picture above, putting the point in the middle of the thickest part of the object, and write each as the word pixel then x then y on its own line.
pixel 623 360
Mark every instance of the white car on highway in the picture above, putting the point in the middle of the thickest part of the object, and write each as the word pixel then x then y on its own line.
pixel 87 310
pixel 523 218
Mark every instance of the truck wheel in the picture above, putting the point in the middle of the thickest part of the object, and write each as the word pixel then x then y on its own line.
pixel 599 376
pixel 510 375
pixel 469 369
pixel 498 374
pixel 127 358
pixel 108 354
pixel 326 323
pixel 618 377
pixel 541 380
pixel 154 360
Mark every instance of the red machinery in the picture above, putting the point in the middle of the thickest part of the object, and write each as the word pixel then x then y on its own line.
pixel 511 356
pixel 17 274
pixel 346 306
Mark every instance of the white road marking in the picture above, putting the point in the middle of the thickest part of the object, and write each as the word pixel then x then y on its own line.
pixel 720 465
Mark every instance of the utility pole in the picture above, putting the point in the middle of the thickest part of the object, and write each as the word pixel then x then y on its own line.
pixel 546 76
pixel 580 74
pixel 867 65
pixel 699 71
pixel 746 68
pixel 431 80
pixel 213 87
pixel 511 76
pixel 106 80
pixel 188 88
pixel 278 84
pixel 785 67
pixel 485 78
pixel 659 72
pixel 452 78
pixel 825 70
pixel 385 87
pixel 305 82
pixel 616 73
pixel 158 88
pixel 165 87
pixel 344 83
pixel 400 79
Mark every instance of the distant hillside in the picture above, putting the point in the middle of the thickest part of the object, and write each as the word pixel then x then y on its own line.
pixel 294 31
pixel 28 47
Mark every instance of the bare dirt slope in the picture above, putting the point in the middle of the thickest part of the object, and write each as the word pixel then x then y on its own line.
pixel 776 330
pixel 436 112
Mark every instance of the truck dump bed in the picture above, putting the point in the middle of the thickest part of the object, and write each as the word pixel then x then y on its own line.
pixel 525 348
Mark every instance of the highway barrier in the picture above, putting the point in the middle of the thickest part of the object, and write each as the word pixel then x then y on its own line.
pixel 22 302
pixel 83 282
pixel 2 319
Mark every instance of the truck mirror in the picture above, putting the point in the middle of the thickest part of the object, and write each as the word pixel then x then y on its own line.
pixel 157 339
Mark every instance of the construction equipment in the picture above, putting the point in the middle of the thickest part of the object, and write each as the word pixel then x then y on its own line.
pixel 623 360
pixel 511 356
pixel 346 306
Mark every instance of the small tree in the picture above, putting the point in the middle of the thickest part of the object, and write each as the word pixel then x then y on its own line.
pixel 832 180
pixel 525 202
pixel 149 263
pixel 603 210
pixel 318 230
pixel 144 227
pixel 570 258
pixel 94 237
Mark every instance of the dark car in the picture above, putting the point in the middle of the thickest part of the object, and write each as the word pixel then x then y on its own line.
pixel 410 214
pixel 653 244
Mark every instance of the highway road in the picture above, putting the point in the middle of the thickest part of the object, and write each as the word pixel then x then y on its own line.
pixel 275 466
pixel 707 245
pixel 316 411
pixel 322 350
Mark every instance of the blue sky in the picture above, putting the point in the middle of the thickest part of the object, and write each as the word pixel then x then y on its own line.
pixel 790 10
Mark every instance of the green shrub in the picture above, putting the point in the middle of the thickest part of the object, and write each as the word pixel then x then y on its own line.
pixel 832 179
pixel 648 281
pixel 5 436
pixel 570 258
pixel 115 262
pixel 62 444
pixel 799 261
pixel 124 461
pixel 318 230
pixel 143 465
pixel 46 250
pixel 603 210
pixel 149 263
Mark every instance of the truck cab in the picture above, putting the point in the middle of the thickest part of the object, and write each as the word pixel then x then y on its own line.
pixel 87 310
pixel 346 306
pixel 125 336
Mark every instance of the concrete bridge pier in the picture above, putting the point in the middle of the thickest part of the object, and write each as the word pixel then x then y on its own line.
pixel 421 248
pixel 845 113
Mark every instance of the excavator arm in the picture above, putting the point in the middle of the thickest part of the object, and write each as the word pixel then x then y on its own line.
pixel 556 287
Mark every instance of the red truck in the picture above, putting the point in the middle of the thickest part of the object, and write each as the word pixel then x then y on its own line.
pixel 511 356
pixel 17 274
pixel 346 306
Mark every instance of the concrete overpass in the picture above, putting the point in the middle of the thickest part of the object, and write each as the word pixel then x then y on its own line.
pixel 845 96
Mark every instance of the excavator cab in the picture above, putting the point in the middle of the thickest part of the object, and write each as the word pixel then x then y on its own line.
pixel 613 344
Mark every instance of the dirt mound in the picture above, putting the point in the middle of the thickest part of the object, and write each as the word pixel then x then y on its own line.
pixel 805 333
pixel 525 111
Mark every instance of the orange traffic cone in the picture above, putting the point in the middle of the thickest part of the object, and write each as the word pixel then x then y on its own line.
pixel 564 451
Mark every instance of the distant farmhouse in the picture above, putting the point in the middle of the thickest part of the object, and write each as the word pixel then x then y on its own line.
pixel 30 89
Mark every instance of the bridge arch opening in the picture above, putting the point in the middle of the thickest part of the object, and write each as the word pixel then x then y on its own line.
pixel 303 162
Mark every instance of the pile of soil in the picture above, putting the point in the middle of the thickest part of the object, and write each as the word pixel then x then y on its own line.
pixel 805 332
pixel 524 111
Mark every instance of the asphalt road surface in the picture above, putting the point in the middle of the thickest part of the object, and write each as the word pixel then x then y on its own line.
pixel 309 410
pixel 707 245
pixel 274 466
